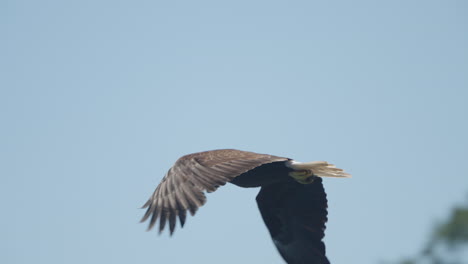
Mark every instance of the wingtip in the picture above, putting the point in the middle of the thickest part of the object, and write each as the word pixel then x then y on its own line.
pixel 150 226
pixel 146 204
pixel 145 216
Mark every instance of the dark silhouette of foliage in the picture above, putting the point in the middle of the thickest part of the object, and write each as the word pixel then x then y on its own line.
pixel 455 231
pixel 448 243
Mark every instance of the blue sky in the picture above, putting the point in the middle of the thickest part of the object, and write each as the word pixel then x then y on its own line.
pixel 99 98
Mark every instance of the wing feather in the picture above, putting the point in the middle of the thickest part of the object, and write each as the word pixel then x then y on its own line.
pixel 295 214
pixel 182 188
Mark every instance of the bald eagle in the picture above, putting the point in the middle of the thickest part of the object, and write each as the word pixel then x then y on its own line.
pixel 291 200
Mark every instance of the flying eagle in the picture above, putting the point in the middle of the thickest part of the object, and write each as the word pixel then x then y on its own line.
pixel 291 200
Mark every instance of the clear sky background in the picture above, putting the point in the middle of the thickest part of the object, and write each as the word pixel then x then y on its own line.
pixel 99 98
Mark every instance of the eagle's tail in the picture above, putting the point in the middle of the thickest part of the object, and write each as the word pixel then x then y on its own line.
pixel 319 168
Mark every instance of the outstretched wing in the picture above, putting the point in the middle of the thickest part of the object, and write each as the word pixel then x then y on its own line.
pixel 182 188
pixel 295 215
